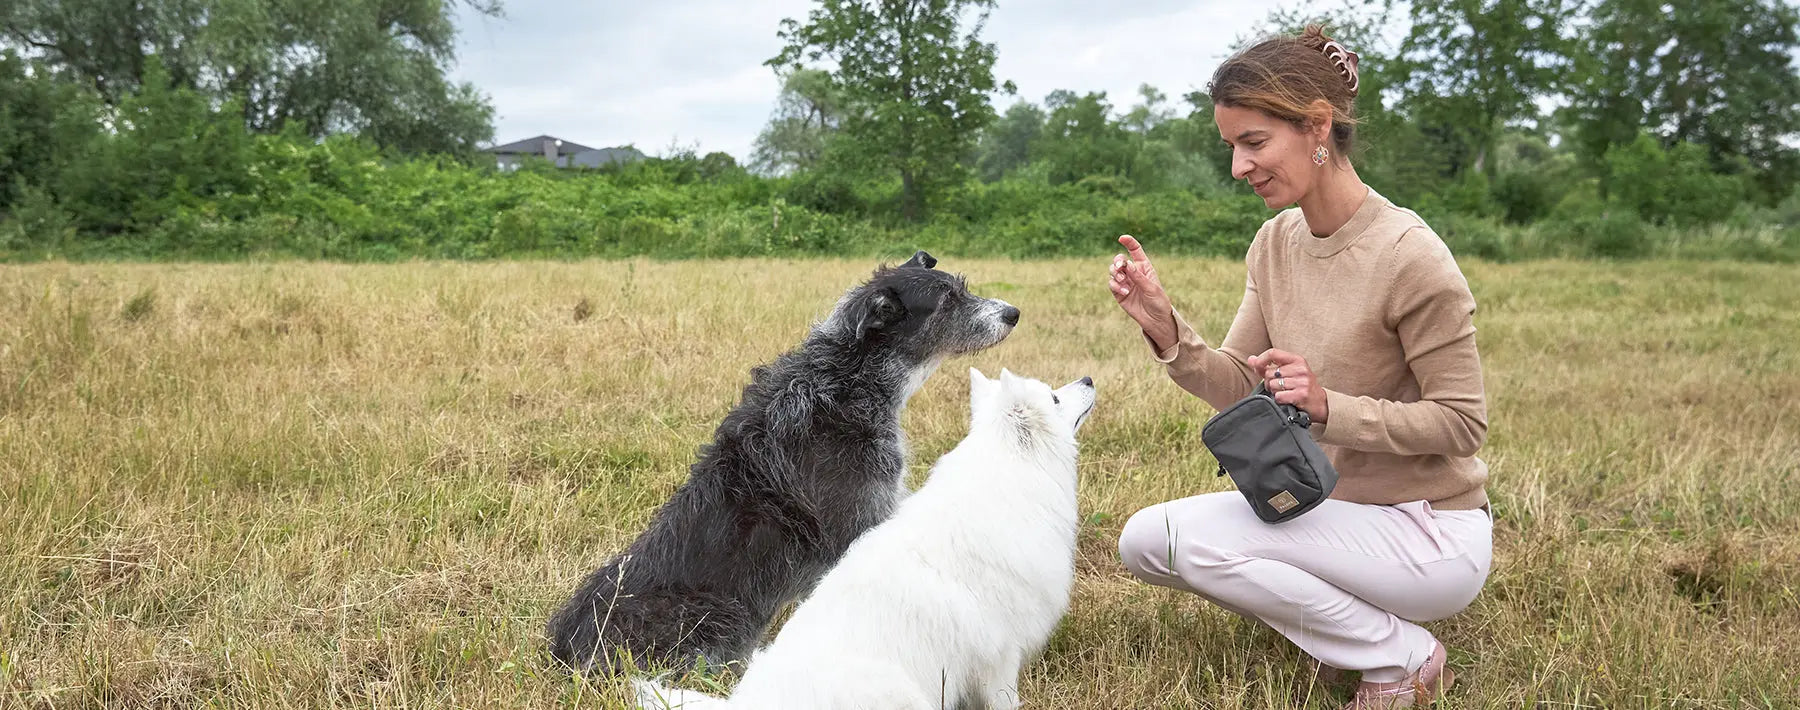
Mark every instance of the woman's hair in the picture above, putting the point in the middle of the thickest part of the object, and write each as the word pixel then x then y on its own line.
pixel 1284 77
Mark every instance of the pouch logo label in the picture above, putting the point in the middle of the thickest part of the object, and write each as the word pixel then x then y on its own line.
pixel 1284 502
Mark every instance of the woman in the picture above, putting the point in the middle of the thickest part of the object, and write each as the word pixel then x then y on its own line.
pixel 1355 311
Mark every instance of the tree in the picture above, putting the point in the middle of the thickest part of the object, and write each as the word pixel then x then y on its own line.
pixel 1007 144
pixel 806 116
pixel 1359 28
pixel 1717 73
pixel 1150 113
pixel 1081 140
pixel 1480 65
pixel 375 67
pixel 1174 151
pixel 41 123
pixel 919 85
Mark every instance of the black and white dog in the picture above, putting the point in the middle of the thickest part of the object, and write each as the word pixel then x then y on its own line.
pixel 811 458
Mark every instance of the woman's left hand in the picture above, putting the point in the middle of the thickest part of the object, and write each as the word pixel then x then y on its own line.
pixel 1291 381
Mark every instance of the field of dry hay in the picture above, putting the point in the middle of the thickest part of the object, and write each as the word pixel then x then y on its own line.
pixel 312 485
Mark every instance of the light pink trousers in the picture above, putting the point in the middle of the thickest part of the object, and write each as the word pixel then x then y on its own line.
pixel 1346 582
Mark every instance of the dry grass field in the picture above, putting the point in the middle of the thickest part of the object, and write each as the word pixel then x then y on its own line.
pixel 365 486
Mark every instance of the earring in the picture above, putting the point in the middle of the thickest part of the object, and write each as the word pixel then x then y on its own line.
pixel 1320 154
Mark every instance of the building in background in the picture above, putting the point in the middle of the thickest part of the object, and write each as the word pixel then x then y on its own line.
pixel 563 154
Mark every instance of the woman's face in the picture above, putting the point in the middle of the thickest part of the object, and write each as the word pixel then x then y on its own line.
pixel 1273 155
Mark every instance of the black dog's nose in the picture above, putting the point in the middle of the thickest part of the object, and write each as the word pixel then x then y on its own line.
pixel 1010 316
pixel 1089 381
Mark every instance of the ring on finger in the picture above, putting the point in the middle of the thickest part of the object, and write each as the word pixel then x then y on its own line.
pixel 1281 383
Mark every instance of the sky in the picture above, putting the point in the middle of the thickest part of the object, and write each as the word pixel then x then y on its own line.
pixel 659 74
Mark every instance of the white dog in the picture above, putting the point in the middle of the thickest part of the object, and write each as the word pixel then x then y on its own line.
pixel 941 605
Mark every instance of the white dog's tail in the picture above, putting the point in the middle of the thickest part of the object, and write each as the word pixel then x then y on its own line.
pixel 652 695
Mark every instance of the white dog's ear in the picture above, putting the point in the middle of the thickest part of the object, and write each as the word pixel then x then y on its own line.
pixel 979 385
pixel 1007 378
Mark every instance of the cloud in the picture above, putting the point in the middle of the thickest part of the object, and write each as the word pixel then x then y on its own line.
pixel 691 71
pixel 1172 46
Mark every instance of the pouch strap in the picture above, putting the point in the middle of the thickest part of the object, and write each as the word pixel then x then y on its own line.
pixel 1293 414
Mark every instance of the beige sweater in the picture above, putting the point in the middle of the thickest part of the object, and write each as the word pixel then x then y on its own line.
pixel 1384 318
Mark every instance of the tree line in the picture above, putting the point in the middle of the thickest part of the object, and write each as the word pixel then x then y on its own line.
pixel 1519 128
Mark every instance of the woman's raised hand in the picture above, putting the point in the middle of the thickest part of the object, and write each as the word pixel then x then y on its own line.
pixel 1140 294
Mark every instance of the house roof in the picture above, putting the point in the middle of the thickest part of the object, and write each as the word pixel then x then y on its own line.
pixel 535 146
pixel 597 158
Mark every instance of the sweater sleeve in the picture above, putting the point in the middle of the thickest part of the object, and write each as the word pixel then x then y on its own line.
pixel 1432 311
pixel 1220 376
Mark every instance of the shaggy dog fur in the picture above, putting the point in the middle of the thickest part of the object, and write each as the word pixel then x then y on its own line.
pixel 941 605
pixel 810 458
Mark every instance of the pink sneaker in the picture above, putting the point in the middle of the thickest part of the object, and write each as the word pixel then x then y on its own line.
pixel 1423 687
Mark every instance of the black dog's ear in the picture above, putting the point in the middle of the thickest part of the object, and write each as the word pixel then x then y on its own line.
pixel 877 311
pixel 921 259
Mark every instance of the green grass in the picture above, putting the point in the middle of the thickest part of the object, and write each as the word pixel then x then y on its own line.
pixel 317 485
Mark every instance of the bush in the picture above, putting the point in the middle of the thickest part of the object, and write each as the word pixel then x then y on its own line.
pixel 175 176
pixel 36 223
pixel 1469 195
pixel 1524 196
pixel 1479 237
pixel 824 192
pixel 1615 234
pixel 1672 185
pixel 172 156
